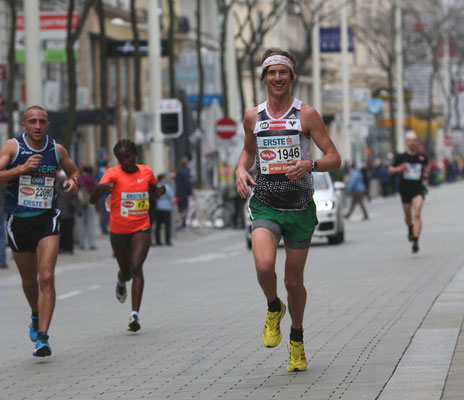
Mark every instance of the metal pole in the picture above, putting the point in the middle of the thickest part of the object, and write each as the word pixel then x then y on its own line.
pixel 399 78
pixel 154 60
pixel 446 82
pixel 32 53
pixel 345 85
pixel 316 58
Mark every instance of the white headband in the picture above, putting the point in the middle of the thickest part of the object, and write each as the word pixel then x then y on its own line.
pixel 277 59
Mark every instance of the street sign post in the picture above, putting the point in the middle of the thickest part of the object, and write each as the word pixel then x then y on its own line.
pixel 226 128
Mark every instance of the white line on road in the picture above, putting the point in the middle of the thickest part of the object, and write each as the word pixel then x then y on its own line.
pixel 69 294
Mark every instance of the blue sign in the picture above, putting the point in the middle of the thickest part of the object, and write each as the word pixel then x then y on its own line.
pixel 330 40
pixel 207 99
pixel 374 106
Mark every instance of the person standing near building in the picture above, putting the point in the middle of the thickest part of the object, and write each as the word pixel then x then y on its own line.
pixel 183 187
pixel 86 221
pixel 28 164
pixel 130 186
pixel 3 263
pixel 68 205
pixel 163 212
pixel 414 168
pixel 278 134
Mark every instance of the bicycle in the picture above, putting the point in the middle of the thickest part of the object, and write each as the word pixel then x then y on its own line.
pixel 206 211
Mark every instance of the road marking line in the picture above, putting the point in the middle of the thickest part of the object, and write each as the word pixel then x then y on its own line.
pixel 94 287
pixel 70 294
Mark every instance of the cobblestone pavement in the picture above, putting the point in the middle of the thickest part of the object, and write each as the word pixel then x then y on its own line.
pixel 381 322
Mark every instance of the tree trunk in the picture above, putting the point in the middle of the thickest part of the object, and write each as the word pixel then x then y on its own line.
pixel 11 69
pixel 240 86
pixel 200 93
pixel 103 77
pixel 137 95
pixel 222 46
pixel 172 78
pixel 72 82
pixel 251 66
pixel 71 38
pixel 201 78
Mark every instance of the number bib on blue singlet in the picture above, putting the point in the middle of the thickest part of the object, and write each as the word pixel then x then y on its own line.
pixel 276 152
pixel 36 191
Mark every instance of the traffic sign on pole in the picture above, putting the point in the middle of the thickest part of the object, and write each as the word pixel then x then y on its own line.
pixel 226 128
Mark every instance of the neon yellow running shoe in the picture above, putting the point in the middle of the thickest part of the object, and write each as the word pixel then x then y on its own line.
pixel 297 360
pixel 271 332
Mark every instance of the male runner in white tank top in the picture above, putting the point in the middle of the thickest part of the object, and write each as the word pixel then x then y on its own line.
pixel 277 137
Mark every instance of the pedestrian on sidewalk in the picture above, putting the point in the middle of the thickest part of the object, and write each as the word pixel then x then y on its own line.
pixel 67 204
pixel 357 190
pixel 280 131
pixel 183 188
pixel 29 164
pixel 130 185
pixel 163 212
pixel 86 220
pixel 413 167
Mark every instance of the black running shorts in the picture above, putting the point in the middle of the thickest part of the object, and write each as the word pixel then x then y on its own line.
pixel 408 194
pixel 25 233
pixel 117 238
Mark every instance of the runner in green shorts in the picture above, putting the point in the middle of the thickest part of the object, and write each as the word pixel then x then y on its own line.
pixel 296 227
pixel 278 135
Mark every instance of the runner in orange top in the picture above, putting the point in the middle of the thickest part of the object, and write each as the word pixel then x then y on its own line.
pixel 130 186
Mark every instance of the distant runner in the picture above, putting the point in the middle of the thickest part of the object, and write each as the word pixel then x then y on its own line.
pixel 28 164
pixel 130 186
pixel 414 168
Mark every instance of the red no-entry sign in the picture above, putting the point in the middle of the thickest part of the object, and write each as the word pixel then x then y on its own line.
pixel 226 128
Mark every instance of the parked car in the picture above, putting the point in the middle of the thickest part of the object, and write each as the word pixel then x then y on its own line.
pixel 329 198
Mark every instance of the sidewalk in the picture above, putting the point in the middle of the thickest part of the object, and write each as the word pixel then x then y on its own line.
pixel 432 367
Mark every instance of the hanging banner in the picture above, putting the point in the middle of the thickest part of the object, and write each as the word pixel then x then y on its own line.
pixel 53 31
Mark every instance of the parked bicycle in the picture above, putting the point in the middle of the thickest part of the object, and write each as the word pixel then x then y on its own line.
pixel 206 211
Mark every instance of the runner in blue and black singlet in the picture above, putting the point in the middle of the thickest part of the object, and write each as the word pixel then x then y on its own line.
pixel 28 165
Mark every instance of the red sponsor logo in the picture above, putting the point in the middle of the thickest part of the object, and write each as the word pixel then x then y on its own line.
pixel 289 139
pixel 267 155
pixel 27 191
pixel 128 204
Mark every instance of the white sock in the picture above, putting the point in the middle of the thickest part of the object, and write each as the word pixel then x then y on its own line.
pixel 134 313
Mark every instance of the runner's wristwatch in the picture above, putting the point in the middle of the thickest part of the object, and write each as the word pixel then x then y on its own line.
pixel 314 165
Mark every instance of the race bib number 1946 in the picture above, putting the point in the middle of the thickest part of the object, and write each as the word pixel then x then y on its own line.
pixel 276 152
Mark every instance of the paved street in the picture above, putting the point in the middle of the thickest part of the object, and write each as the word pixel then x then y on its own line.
pixel 381 323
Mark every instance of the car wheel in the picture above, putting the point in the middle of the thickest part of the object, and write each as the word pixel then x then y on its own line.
pixel 338 238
